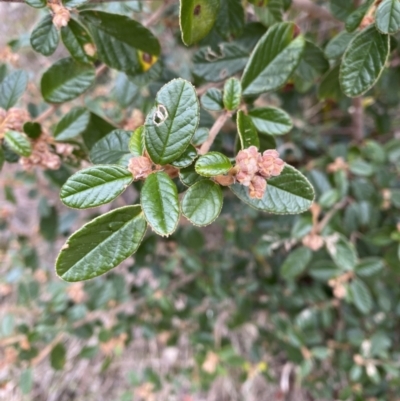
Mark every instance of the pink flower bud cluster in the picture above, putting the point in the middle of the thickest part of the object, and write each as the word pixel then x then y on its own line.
pixel 61 15
pixel 13 119
pixel 43 155
pixel 254 168
pixel 140 167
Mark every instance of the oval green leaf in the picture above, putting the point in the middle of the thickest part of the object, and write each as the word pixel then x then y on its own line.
pixel 78 42
pixel 136 142
pixel 72 124
pixel 212 100
pixel 65 80
pixel 288 193
pixel 362 297
pixel 95 186
pixel 212 164
pixel 12 87
pixel 171 124
pixel 101 244
pixel 121 42
pixel 197 17
pixel 232 94
pixel 202 203
pixel 273 60
pixel 363 61
pixel 186 158
pixel 296 263
pixel 387 17
pixel 159 200
pixel 188 176
pixel 18 143
pixel 112 149
pixel 271 120
pixel 45 37
pixel 247 131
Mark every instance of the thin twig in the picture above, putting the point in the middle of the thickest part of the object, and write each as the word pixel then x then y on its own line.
pixel 358 119
pixel 218 124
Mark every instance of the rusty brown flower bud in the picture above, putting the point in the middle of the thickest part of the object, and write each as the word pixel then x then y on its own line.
pixel 61 15
pixel 270 164
pixel 140 167
pixel 247 164
pixel 257 187
pixel 313 241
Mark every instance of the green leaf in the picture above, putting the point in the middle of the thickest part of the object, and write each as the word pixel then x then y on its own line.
pixel 125 92
pixel 341 9
pixel 121 42
pixel 313 64
pixel 288 193
pixel 296 263
pixel 12 87
pixel 231 19
pixel 95 186
pixel 101 244
pixel 32 130
pixel 271 120
pixel 45 37
pixel 342 252
pixel 96 129
pixel 202 203
pixel 189 177
pixel 186 158
pixel 171 124
pixel 273 60
pixel 65 80
pixel 36 3
pixel 387 16
pixel 212 164
pixel 337 45
pixel 78 42
pixel 72 124
pixel 18 143
pixel 58 356
pixel 232 94
pixel 136 142
pixel 197 17
pixel 212 100
pixel 361 296
pixel 330 86
pixel 363 61
pixel 159 200
pixel 26 381
pixel 369 266
pixel 112 149
pixel 200 136
pixel 247 131
pixel 217 65
pixel 353 21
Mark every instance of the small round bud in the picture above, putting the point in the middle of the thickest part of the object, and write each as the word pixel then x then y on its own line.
pixel 270 164
pixel 257 187
pixel 247 164
pixel 140 167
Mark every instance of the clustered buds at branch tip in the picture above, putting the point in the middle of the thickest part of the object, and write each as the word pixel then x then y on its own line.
pixel 61 15
pixel 253 169
pixel 13 119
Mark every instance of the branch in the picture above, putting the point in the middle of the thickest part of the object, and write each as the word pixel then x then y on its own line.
pixel 219 123
pixel 357 119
